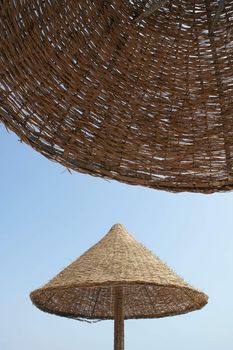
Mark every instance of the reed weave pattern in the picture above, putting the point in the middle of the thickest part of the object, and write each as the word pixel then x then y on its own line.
pixel 85 288
pixel 104 91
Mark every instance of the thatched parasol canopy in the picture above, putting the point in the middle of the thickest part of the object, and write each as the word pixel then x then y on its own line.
pixel 133 90
pixel 118 278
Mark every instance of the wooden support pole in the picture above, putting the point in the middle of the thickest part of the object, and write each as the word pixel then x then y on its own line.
pixel 151 9
pixel 217 16
pixel 118 318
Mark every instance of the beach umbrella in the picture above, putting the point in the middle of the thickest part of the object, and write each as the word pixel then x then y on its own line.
pixel 118 278
pixel 134 90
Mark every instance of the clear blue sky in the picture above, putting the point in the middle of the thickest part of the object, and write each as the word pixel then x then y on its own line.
pixel 49 217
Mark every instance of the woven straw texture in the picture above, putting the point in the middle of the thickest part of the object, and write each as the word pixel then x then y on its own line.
pixel 98 88
pixel 85 288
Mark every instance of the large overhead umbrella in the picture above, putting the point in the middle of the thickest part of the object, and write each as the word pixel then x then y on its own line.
pixel 133 90
pixel 118 278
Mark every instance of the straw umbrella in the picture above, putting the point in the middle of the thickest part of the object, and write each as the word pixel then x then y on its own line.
pixel 137 91
pixel 118 278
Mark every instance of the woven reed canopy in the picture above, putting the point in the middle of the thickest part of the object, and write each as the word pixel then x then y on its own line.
pixel 118 278
pixel 134 90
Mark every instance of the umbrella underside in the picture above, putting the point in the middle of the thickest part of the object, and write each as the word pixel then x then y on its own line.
pixel 145 102
pixel 140 301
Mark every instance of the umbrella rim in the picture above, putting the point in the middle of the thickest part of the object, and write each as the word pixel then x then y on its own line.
pixel 82 317
pixel 33 296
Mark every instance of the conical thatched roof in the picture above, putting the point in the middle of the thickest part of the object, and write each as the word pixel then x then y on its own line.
pixel 150 288
pixel 112 89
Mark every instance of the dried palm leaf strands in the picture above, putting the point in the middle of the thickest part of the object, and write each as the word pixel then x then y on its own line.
pixel 118 278
pixel 146 102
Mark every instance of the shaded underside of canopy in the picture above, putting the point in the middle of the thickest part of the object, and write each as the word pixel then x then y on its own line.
pixel 145 102
pixel 140 301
